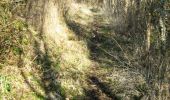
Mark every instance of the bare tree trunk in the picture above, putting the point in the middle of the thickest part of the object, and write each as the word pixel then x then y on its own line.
pixel 163 30
pixel 46 17
pixel 148 34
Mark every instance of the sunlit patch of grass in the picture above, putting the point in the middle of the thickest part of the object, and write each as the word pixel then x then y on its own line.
pixel 72 87
pixel 5 85
pixel 16 87
pixel 19 72
pixel 73 65
pixel 81 13
pixel 71 61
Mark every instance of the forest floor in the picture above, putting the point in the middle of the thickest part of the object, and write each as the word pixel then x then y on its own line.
pixel 109 77
pixel 88 61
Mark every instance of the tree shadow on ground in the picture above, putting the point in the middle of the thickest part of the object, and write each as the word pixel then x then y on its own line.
pixel 107 48
pixel 103 50
pixel 49 77
pixel 42 60
pixel 101 92
pixel 113 43
pixel 103 47
pixel 48 74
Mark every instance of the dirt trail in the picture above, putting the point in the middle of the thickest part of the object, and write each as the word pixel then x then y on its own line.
pixel 105 81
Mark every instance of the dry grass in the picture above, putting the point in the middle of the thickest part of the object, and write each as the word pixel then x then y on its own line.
pixel 24 75
pixel 59 64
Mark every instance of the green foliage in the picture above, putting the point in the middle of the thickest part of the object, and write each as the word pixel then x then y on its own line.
pixel 5 85
pixel 17 50
pixel 20 25
pixel 12 32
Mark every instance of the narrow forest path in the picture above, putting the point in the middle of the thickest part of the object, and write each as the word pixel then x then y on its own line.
pixel 105 79
pixel 81 58
pixel 79 50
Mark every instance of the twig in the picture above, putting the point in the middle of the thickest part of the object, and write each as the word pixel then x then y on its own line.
pixel 109 54
pixel 120 48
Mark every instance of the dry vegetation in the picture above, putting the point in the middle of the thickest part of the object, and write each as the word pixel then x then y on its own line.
pixel 84 50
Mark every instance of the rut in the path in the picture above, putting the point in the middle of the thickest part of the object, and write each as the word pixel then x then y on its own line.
pixel 99 90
